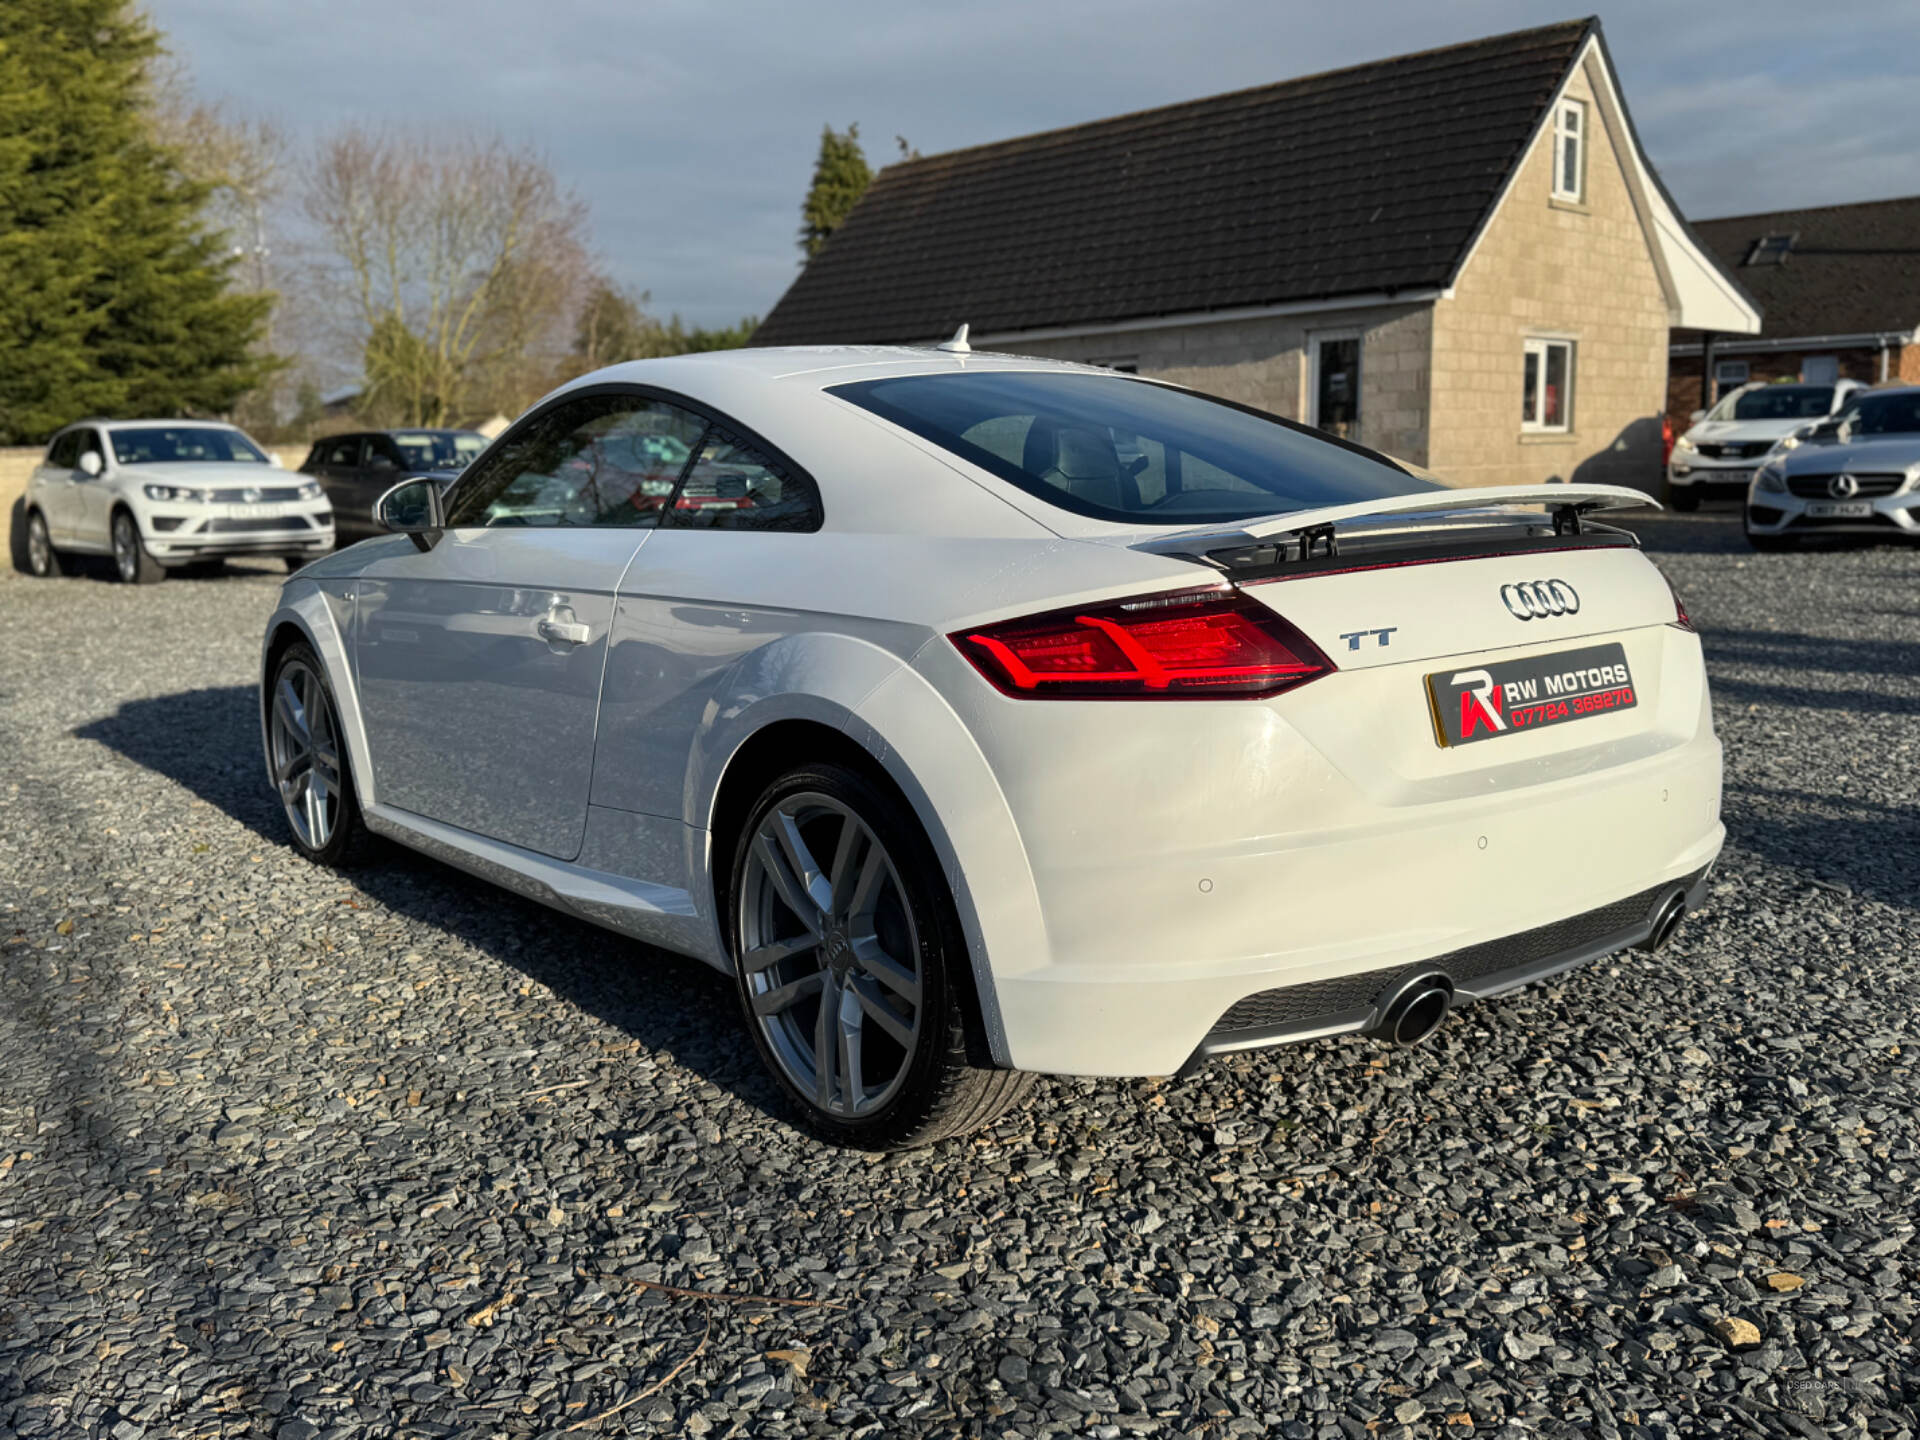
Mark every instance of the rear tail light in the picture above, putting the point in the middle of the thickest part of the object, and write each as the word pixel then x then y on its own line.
pixel 1197 645
pixel 1681 620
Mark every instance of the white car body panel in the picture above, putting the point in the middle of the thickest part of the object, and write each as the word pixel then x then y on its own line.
pixel 1124 871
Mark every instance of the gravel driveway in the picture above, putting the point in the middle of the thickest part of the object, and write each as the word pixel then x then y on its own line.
pixel 286 1154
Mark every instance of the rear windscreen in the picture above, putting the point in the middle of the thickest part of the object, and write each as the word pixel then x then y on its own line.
pixel 1121 449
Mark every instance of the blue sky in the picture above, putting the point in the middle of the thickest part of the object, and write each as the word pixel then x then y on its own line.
pixel 690 128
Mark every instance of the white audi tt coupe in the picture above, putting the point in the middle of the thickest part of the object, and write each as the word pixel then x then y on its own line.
pixel 985 716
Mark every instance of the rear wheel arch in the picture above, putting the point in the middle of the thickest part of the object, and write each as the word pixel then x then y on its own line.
pixel 788 744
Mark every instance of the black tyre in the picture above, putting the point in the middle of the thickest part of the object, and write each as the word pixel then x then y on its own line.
pixel 846 948
pixel 42 559
pixel 1683 497
pixel 130 558
pixel 295 562
pixel 310 767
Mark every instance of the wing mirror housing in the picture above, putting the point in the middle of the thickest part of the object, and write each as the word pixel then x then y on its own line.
pixel 91 464
pixel 1696 416
pixel 413 508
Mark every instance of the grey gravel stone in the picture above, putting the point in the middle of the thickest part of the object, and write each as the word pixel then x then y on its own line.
pixel 290 1153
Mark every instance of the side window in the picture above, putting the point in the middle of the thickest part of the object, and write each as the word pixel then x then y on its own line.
pixel 1569 150
pixel 90 442
pixel 379 454
pixel 598 460
pixel 64 453
pixel 733 486
pixel 337 452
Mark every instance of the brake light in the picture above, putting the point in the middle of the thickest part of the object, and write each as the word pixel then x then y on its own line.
pixel 1681 620
pixel 1197 645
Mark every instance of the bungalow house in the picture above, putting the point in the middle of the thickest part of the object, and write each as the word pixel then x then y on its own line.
pixel 1840 289
pixel 1462 257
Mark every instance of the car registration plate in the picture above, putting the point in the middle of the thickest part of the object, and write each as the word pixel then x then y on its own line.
pixel 1488 702
pixel 1729 477
pixel 1840 509
pixel 254 512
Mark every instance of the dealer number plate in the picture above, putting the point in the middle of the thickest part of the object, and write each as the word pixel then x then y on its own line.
pixel 1840 509
pixel 1490 701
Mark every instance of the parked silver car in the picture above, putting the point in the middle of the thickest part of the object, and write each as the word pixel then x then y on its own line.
pixel 1855 475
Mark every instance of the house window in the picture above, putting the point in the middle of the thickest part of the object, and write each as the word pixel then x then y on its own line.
pixel 1570 150
pixel 1770 250
pixel 1547 391
pixel 1336 384
pixel 1728 376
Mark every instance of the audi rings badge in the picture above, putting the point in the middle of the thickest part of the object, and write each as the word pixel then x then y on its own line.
pixel 1537 599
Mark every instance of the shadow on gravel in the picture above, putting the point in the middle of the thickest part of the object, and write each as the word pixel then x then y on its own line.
pixel 1792 651
pixel 1873 849
pixel 209 742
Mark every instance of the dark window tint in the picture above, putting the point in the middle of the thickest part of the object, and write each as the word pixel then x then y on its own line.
pixel 1895 414
pixel 436 449
pixel 184 444
pixel 343 452
pixel 90 443
pixel 595 460
pixel 733 486
pixel 1778 402
pixel 1131 450
pixel 64 453
pixel 380 454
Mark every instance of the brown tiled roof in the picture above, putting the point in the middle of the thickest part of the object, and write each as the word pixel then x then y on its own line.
pixel 1375 178
pixel 1852 270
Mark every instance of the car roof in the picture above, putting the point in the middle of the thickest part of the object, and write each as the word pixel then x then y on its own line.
pixel 817 366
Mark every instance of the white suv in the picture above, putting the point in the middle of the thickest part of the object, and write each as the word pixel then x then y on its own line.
pixel 1717 457
pixel 160 493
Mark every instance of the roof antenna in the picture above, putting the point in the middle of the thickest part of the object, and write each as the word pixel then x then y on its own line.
pixel 958 344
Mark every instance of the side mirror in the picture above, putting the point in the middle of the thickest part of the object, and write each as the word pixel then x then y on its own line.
pixel 275 461
pixel 1696 416
pixel 91 464
pixel 413 508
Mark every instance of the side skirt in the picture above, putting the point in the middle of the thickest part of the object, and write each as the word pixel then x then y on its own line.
pixel 656 914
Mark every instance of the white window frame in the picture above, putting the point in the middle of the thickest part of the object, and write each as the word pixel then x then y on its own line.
pixel 1729 376
pixel 1314 340
pixel 1532 405
pixel 1572 136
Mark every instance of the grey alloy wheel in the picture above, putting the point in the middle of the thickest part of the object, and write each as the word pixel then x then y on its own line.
pixel 306 754
pixel 830 955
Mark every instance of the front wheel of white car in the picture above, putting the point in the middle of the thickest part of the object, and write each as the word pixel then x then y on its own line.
pixel 130 558
pixel 42 559
pixel 846 949
pixel 311 769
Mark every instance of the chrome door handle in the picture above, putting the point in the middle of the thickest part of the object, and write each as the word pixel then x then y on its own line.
pixel 564 632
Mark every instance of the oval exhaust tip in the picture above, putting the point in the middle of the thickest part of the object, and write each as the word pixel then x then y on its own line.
pixel 1415 1013
pixel 1664 924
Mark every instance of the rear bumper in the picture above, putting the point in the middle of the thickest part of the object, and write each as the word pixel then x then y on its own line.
pixel 1357 1002
pixel 1183 858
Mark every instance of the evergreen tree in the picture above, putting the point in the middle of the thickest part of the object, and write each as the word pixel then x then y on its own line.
pixel 113 295
pixel 840 178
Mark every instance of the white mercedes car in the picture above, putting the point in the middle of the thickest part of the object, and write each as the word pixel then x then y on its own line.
pixel 985 716
pixel 1716 458
pixel 157 494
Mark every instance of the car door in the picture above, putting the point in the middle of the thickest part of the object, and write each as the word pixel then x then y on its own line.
pixel 58 488
pixel 333 464
pixel 93 494
pixel 479 660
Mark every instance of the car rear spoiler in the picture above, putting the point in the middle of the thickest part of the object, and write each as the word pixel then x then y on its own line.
pixel 1303 533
